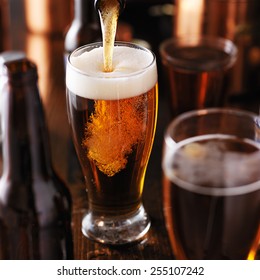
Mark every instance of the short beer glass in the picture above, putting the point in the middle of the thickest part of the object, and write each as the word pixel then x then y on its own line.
pixel 211 191
pixel 197 70
pixel 113 119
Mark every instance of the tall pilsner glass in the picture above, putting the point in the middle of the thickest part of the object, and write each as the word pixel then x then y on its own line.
pixel 113 119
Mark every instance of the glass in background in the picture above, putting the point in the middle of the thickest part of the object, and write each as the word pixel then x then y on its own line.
pixel 237 20
pixel 197 71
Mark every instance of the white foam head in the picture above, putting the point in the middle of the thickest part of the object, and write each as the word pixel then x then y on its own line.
pixel 135 72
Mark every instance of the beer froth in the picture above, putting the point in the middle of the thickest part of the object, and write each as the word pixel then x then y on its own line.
pixel 90 81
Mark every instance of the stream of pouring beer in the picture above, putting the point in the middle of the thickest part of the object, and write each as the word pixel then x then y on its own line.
pixel 108 12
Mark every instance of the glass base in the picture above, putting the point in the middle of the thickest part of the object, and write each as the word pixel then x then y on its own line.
pixel 116 231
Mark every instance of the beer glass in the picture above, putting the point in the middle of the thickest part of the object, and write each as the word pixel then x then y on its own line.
pixel 196 70
pixel 211 186
pixel 113 119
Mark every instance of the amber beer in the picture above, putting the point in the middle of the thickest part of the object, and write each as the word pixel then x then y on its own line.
pixel 196 70
pixel 113 119
pixel 211 197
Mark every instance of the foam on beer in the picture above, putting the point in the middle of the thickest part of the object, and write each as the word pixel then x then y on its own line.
pixel 86 78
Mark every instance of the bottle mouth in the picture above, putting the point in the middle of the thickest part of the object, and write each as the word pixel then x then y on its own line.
pixel 122 4
pixel 19 70
pixel 9 56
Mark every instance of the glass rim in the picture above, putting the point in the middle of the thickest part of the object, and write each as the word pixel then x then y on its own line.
pixel 208 111
pixel 213 191
pixel 224 44
pixel 117 43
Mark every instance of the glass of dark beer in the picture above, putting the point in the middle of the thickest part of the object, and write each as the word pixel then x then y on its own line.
pixel 211 184
pixel 113 119
pixel 197 71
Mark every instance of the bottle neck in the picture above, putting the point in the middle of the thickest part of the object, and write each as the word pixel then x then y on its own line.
pixel 83 11
pixel 84 28
pixel 26 153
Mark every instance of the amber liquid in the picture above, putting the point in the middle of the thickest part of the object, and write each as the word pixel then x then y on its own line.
pixel 113 139
pixel 201 83
pixel 212 227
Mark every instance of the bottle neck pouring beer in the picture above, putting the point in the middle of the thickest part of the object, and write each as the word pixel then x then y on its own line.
pixel 99 3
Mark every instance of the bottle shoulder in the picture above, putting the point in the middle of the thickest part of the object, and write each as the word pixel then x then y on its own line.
pixel 80 34
pixel 47 200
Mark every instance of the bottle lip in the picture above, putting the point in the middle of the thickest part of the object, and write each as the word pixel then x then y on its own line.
pixel 19 69
pixel 122 4
pixel 8 56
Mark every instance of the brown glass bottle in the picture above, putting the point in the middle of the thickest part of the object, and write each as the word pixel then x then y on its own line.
pixel 35 205
pixel 84 28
